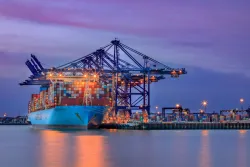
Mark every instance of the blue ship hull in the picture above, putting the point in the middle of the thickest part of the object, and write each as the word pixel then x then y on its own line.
pixel 84 117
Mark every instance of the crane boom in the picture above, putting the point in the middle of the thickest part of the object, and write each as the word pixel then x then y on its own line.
pixel 37 62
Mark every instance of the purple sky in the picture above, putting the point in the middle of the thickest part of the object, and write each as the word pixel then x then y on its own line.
pixel 210 38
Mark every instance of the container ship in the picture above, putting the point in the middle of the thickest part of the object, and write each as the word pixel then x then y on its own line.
pixel 71 102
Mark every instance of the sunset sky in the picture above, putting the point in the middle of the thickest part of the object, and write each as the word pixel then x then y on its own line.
pixel 211 39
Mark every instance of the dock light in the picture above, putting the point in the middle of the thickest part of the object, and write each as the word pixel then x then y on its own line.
pixel 177 105
pixel 241 102
pixel 180 71
pixel 204 103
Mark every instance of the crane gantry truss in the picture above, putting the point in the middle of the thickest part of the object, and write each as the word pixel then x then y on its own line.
pixel 131 73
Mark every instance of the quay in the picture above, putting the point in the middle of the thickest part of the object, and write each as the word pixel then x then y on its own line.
pixel 14 124
pixel 19 120
pixel 178 126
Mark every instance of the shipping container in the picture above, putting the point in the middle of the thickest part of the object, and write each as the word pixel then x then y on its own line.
pixel 222 118
pixel 238 117
pixel 71 93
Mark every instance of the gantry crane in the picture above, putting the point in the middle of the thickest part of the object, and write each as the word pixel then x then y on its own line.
pixel 131 73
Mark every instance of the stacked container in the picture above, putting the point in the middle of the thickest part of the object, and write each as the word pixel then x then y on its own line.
pixel 191 118
pixel 222 118
pixel 238 117
pixel 215 118
pixel 72 93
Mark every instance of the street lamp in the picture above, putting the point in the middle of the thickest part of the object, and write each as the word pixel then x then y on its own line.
pixel 179 111
pixel 204 103
pixel 177 105
pixel 241 102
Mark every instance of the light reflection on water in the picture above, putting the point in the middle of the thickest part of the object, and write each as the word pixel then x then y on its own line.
pixel 23 147
pixel 90 151
pixel 54 148
pixel 242 132
pixel 204 156
pixel 242 152
pixel 86 150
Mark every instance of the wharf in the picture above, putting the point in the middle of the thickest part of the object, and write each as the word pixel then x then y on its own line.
pixel 14 124
pixel 178 126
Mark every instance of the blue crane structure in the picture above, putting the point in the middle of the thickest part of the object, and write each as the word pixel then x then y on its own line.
pixel 131 71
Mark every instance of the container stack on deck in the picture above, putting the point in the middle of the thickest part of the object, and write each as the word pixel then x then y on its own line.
pixel 72 93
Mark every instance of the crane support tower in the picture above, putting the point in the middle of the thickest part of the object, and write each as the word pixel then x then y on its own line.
pixel 130 71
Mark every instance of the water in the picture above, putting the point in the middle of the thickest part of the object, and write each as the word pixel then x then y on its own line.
pixel 22 146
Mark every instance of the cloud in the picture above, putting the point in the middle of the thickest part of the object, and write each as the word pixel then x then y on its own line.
pixel 161 18
pixel 212 35
pixel 192 44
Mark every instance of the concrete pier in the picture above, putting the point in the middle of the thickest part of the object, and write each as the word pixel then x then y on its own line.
pixel 177 126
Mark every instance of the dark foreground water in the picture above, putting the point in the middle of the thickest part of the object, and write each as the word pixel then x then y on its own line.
pixel 22 146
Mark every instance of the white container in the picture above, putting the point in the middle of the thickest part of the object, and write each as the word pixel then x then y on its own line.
pixel 157 118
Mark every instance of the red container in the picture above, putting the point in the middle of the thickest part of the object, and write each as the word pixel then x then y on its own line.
pixel 65 101
pixel 238 117
pixel 35 96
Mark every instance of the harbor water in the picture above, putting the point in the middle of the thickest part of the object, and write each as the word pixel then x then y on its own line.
pixel 23 146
